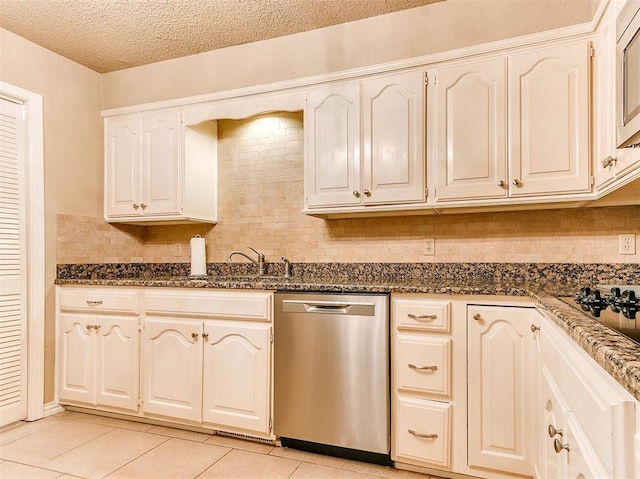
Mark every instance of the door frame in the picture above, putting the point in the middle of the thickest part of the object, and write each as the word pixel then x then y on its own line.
pixel 35 237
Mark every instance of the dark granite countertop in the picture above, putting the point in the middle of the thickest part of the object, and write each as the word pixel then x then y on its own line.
pixel 618 355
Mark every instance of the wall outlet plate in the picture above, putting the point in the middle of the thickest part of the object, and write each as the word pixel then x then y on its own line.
pixel 429 246
pixel 627 243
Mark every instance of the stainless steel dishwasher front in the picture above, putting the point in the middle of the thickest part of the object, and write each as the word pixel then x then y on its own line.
pixel 332 374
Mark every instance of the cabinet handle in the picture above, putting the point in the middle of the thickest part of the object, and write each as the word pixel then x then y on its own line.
pixel 553 431
pixel 96 327
pixel 205 336
pixel 517 183
pixel 356 193
pixel 143 206
pixel 534 328
pixel 424 436
pixel 423 368
pixel 477 317
pixel 501 183
pixel 136 206
pixel 195 337
pixel 609 161
pixel 558 446
pixel 89 327
pixel 422 317
pixel 94 303
pixel 367 193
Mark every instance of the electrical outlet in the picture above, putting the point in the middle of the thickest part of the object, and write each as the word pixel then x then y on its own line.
pixel 429 246
pixel 178 249
pixel 627 243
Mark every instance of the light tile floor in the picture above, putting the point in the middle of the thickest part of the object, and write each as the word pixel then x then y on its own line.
pixel 75 445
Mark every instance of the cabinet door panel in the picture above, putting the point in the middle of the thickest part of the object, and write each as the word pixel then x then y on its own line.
pixel 500 359
pixel 172 368
pixel 549 152
pixel 161 163
pixel 332 129
pixel 393 138
pixel 117 371
pixel 237 362
pixel 77 355
pixel 123 144
pixel 470 126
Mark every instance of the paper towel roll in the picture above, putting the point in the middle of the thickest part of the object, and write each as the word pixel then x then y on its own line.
pixel 198 257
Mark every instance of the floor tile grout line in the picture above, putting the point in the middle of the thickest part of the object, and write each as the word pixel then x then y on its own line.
pixel 214 462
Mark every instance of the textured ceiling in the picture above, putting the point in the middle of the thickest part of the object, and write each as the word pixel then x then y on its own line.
pixel 108 35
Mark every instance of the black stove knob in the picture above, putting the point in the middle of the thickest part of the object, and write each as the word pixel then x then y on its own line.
pixel 613 299
pixel 628 304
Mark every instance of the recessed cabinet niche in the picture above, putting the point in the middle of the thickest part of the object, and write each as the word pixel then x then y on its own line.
pixel 157 168
pixel 364 142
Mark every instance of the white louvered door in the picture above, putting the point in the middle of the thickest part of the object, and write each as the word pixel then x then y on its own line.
pixel 13 301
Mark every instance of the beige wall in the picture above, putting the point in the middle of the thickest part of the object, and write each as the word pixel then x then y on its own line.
pixel 72 147
pixel 260 199
pixel 415 32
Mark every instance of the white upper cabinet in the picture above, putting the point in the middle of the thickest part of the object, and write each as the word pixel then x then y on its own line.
pixel 332 135
pixel 393 139
pixel 549 120
pixel 511 126
pixel 159 169
pixel 365 142
pixel 468 107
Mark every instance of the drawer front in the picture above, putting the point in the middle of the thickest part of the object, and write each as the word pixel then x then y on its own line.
pixel 422 315
pixel 423 432
pixel 424 364
pixel 107 300
pixel 246 305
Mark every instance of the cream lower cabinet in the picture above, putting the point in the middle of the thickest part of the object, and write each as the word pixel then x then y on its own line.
pixel 215 372
pixel 98 348
pixel 500 368
pixel 421 381
pixel 586 421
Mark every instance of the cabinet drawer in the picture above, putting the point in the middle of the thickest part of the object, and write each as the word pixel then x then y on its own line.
pixel 247 305
pixel 424 364
pixel 423 432
pixel 107 300
pixel 422 314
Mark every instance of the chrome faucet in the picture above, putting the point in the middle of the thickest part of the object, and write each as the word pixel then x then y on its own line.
pixel 287 267
pixel 260 262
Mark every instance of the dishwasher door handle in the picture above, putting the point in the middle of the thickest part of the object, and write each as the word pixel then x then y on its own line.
pixel 328 307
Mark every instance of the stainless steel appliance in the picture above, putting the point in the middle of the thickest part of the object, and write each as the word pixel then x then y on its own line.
pixel 332 374
pixel 617 307
pixel 628 74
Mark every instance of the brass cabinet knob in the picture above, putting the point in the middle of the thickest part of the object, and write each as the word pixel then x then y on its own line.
pixel 558 446
pixel 143 206
pixel 517 183
pixel 501 183
pixel 194 336
pixel 553 431
pixel 205 336
pixel 477 317
pixel 535 328
pixel 356 193
pixel 136 206
pixel 367 193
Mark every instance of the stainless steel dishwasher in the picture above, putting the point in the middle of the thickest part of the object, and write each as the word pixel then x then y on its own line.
pixel 332 374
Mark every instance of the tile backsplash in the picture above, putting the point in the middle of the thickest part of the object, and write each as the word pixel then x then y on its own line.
pixel 260 190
